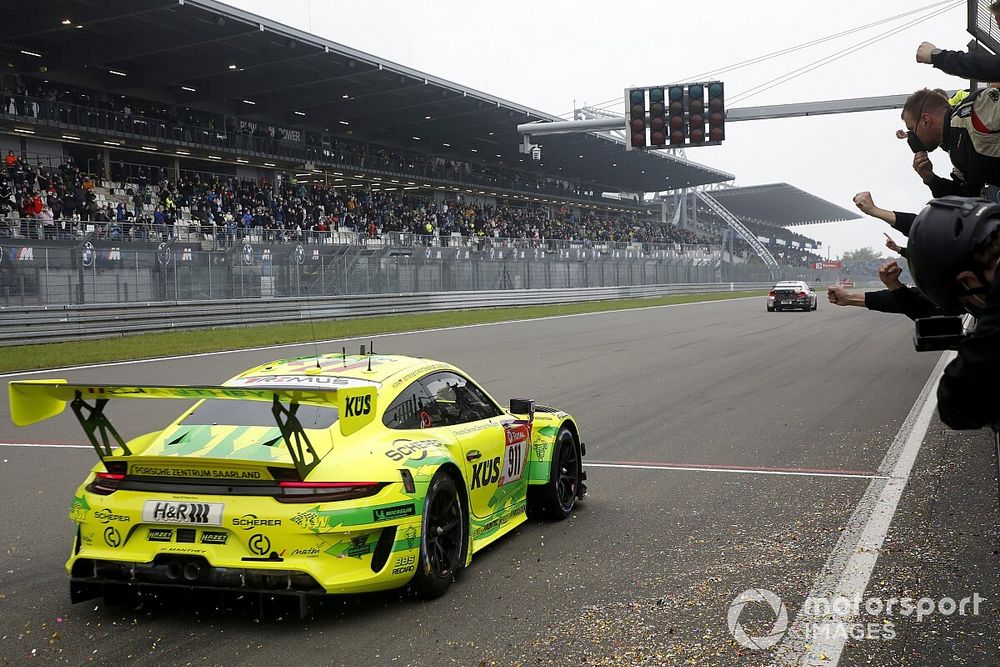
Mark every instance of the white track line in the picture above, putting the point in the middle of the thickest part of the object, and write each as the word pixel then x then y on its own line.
pixel 849 567
pixel 736 471
pixel 359 337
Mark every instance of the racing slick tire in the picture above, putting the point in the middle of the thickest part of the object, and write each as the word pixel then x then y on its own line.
pixel 557 498
pixel 815 304
pixel 770 309
pixel 442 538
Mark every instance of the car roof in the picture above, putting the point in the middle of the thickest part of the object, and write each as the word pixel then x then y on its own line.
pixel 375 368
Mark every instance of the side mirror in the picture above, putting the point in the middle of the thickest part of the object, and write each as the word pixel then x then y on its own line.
pixel 523 406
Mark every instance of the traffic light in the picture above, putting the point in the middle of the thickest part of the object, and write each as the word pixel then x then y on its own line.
pixel 716 111
pixel 696 113
pixel 657 118
pixel 675 99
pixel 637 117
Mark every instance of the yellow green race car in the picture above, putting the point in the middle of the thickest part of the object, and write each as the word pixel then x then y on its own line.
pixel 309 476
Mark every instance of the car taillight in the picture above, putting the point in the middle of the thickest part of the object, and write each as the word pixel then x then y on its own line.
pixel 771 293
pixel 313 492
pixel 105 483
pixel 802 295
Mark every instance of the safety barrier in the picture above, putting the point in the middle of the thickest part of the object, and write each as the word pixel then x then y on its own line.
pixel 36 324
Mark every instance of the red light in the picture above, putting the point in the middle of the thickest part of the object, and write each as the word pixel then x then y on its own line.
pixel 802 295
pixel 306 492
pixel 105 483
pixel 323 485
pixel 771 293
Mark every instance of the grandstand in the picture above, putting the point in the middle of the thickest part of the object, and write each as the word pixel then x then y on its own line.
pixel 157 121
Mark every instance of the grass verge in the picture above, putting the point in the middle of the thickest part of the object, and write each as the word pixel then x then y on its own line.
pixel 168 343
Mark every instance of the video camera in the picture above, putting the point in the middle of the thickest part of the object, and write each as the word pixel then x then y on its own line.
pixel 941 332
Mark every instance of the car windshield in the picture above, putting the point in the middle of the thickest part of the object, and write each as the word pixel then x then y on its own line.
pixel 213 412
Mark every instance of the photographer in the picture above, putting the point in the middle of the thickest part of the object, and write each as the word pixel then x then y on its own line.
pixel 953 252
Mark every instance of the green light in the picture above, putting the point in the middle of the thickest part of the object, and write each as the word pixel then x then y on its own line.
pixel 655 94
pixel 695 90
pixel 715 90
pixel 676 93
pixel 637 96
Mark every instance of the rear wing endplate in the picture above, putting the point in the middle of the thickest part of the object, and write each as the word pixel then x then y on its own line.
pixel 32 401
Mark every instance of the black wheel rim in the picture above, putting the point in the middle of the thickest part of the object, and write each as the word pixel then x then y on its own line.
pixel 569 472
pixel 444 532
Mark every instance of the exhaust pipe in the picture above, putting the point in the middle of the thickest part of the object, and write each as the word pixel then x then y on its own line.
pixel 192 571
pixel 174 570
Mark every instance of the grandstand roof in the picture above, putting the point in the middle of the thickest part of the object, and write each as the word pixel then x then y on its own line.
pixel 780 204
pixel 207 55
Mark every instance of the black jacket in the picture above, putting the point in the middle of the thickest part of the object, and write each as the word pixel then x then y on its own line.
pixel 967 394
pixel 975 154
pixel 906 300
pixel 978 66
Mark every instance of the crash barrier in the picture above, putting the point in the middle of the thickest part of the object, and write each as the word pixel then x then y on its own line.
pixel 33 324
pixel 38 272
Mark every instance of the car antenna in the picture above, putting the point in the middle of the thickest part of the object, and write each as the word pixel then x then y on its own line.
pixel 312 329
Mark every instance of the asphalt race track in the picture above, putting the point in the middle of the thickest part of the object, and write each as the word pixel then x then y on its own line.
pixel 730 449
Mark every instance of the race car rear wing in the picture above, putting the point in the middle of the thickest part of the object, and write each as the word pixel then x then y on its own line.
pixel 32 401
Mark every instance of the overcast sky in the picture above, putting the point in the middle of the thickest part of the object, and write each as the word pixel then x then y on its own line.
pixel 549 55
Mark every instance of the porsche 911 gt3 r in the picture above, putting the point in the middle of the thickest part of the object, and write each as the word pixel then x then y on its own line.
pixel 318 475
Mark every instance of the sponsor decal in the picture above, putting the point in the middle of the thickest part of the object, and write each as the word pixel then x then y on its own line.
pixel 410 535
pixel 107 516
pixel 308 552
pixel 86 538
pixel 309 520
pixel 250 521
pixel 541 450
pixel 486 527
pixel 259 544
pixel 396 512
pixel 965 111
pixel 164 255
pixel 299 253
pixel 112 537
pixel 186 254
pixel 160 535
pixel 78 510
pixel 994 94
pixel 196 473
pixel 485 473
pixel 404 564
pixel 416 451
pixel 249 257
pixel 23 254
pixel 208 537
pixel 174 511
pixel 359 547
pixel 355 406
pixel 300 381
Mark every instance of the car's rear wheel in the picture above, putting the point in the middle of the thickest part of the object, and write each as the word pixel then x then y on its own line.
pixel 556 498
pixel 442 537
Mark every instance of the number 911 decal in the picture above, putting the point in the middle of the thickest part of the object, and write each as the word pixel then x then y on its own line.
pixel 515 451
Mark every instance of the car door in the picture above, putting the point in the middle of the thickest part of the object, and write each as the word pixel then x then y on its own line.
pixel 475 422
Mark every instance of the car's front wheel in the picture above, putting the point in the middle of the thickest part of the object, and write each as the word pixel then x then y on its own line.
pixel 442 537
pixel 556 499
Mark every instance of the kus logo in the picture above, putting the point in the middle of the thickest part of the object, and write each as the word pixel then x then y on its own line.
pixel 485 473
pixel 23 254
pixel 186 255
pixel 355 406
